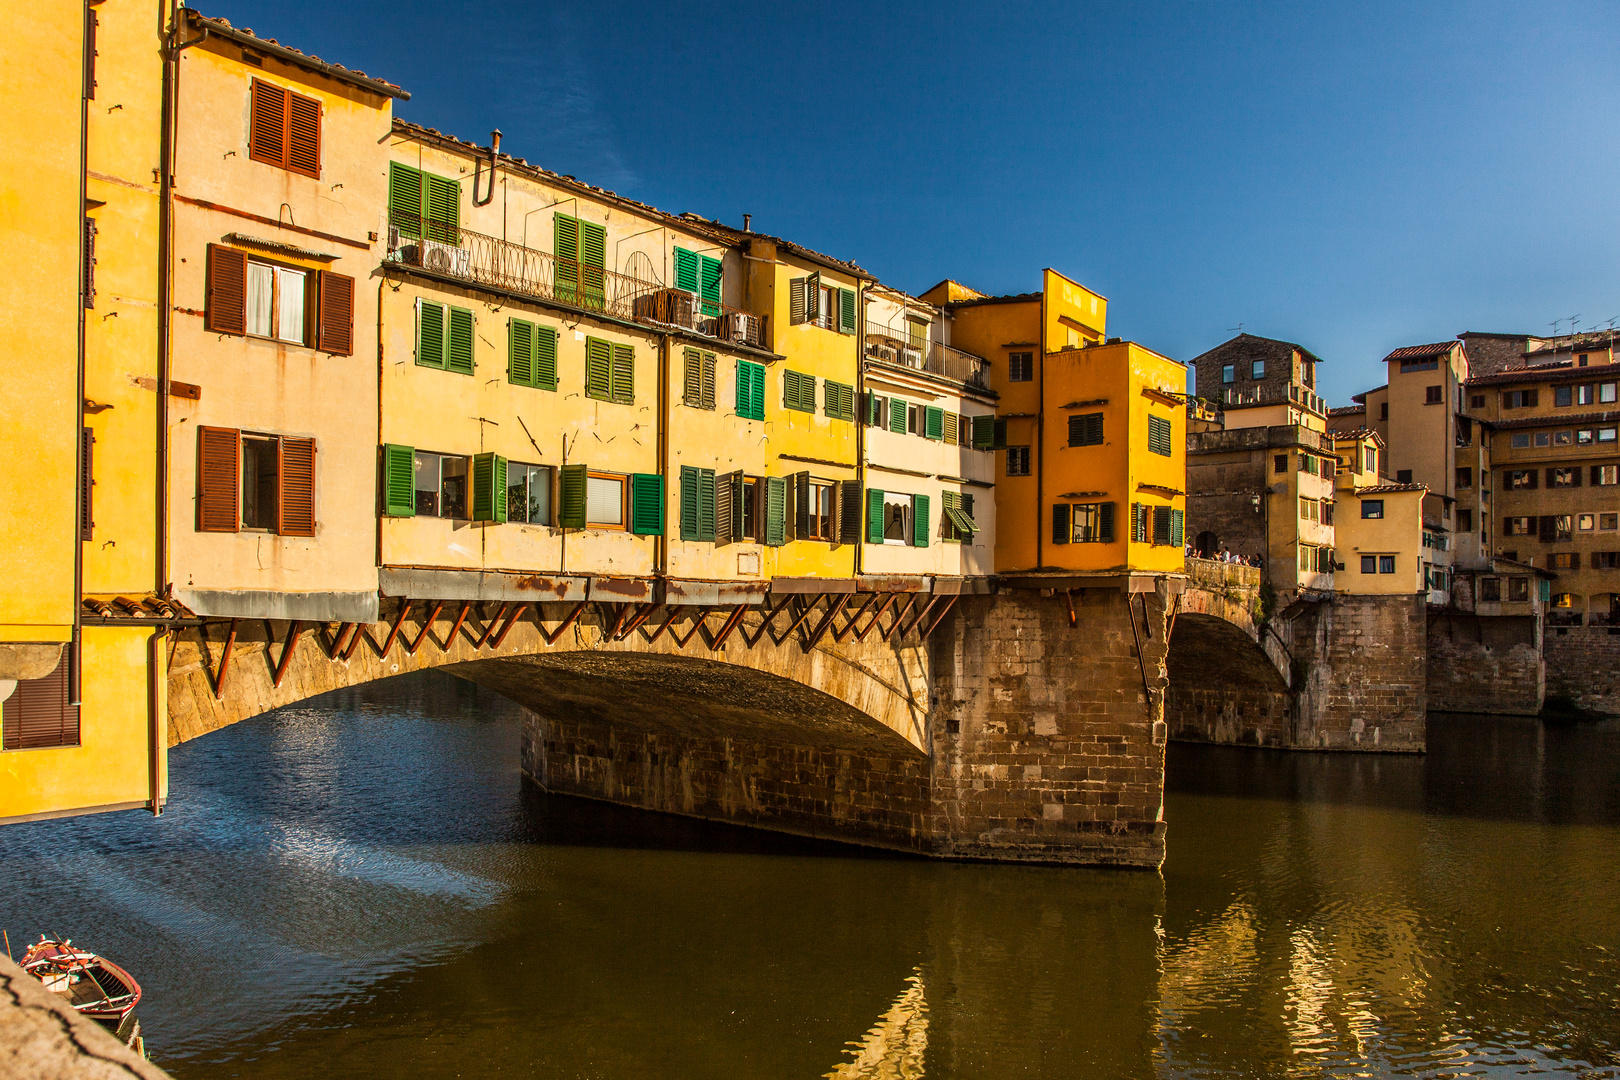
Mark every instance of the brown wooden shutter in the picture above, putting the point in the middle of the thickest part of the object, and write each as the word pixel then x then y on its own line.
pixel 267 136
pixel 335 332
pixel 219 479
pixel 303 135
pixel 297 473
pixel 87 483
pixel 226 296
pixel 38 714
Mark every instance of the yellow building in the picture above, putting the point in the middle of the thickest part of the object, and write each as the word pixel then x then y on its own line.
pixel 82 633
pixel 1379 524
pixel 1093 431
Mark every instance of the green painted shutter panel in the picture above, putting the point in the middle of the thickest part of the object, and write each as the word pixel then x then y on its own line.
pixel 647 504
pixel 566 244
pixel 797 290
pixel 405 199
pixel 947 515
pixel 737 483
pixel 686 270
pixel 933 422
pixel 897 415
pixel 399 480
pixel 1159 436
pixel 443 209
pixel 1177 527
pixel 727 507
pixel 1138 523
pixel 846 311
pixel 709 284
pixel 874 515
pixel 707 510
pixel 984 432
pixel 1105 522
pixel 801 505
pixel 919 521
pixel 689 502
pixel 598 369
pixel 812 298
pixel 489 488
pixel 592 261
pixel 520 352
pixel 706 380
pixel 575 479
pixel 775 511
pixel 624 374
pixel 429 334
pixel 1060 523
pixel 849 512
pixel 692 379
pixel 1161 525
pixel 874 409
pixel 545 357
pixel 459 356
pixel 750 390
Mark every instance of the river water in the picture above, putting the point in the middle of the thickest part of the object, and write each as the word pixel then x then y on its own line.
pixel 361 886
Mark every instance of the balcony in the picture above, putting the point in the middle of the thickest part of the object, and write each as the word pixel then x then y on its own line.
pixel 501 264
pixel 1303 396
pixel 888 346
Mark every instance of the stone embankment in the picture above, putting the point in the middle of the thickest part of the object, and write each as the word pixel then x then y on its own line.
pixel 42 1038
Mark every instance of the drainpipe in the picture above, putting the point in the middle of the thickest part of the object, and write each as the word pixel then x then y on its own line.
pixel 1040 445
pixel 154 719
pixel 76 643
pixel 860 421
pixel 661 541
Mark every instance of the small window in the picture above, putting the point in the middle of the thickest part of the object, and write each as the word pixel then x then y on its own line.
pixel 528 493
pixel 1369 564
pixel 1563 396
pixel 819 516
pixel 1521 526
pixel 1543 439
pixel 1521 479
pixel 1433 395
pixel 1386 564
pixel 1257 369
pixel 1370 460
pixel 1477 401
pixel 1562 478
pixel 1585 437
pixel 1465 478
pixel 604 501
pixel 1091 523
pixel 1606 393
pixel 1159 437
pixel 1020 367
pixel 285 129
pixel 1520 440
pixel 1585 522
pixel 1518 589
pixel 1606 434
pixel 1609 522
pixel 275 302
pixel 1279 463
pixel 1229 373
pixel 750 508
pixel 1383 410
pixel 1586 395
pixel 441 485
pixel 897 519
pixel 38 712
pixel 1605 475
pixel 1490 589
pixel 1086 429
pixel 1403 476
pixel 1017 461
pixel 799 391
pixel 1372 508
pixel 261 482
pixel 1465 521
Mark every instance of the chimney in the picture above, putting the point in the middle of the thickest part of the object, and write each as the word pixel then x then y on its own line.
pixel 748 223
pixel 495 142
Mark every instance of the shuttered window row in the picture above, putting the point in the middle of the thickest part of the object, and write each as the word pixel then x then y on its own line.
pixel 698 379
pixel 271 488
pixel 1157 525
pixel 531 352
pixel 798 391
pixel 887 520
pixel 285 129
pixel 38 713
pixel 232 306
pixel 932 422
pixel 424 206
pixel 828 306
pixel 610 371
pixel 699 275
pixel 444 337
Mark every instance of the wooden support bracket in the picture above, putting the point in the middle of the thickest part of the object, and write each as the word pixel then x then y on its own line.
pixel 944 611
pixel 404 610
pixel 921 615
pixel 681 641
pixel 803 615
pixel 511 621
pixel 450 639
pixel 900 615
pixel 839 635
pixel 673 611
pixel 643 613
pixel 293 630
pixel 410 649
pixel 832 613
pixel 337 642
pixel 489 627
pixel 860 635
pixel 731 624
pixel 618 624
pixel 765 625
pixel 224 661
pixel 551 638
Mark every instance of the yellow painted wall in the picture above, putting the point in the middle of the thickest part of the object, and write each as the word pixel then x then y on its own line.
pixel 1398 533
pixel 1074 315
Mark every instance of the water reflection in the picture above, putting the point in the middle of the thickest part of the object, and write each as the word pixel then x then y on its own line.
pixel 363 885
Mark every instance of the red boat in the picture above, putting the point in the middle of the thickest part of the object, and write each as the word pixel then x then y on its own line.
pixel 93 985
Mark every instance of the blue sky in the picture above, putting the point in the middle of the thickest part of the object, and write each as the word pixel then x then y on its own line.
pixel 1352 177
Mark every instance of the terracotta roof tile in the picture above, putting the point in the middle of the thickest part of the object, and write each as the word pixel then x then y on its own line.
pixel 224 29
pixel 1415 352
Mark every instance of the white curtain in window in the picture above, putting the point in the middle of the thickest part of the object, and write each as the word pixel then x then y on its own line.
pixel 604 501
pixel 290 304
pixel 260 280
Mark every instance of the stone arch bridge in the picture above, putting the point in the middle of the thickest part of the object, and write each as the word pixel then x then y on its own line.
pixel 1014 719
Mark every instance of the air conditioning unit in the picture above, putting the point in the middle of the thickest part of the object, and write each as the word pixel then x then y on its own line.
pixel 740 326
pixel 444 258
pixel 885 353
pixel 911 357
pixel 676 307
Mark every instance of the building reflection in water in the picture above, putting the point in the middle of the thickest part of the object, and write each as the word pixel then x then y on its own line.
pixel 896 1045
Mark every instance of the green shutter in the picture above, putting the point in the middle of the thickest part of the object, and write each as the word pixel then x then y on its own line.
pixel 647 504
pixel 709 284
pixel 598 369
pixel 1105 522
pixel 399 481
pixel 459 355
pixel 520 352
pixel 874 515
pixel 919 521
pixel 706 506
pixel 874 409
pixel 566 244
pixel 998 440
pixel 689 502
pixel 1159 440
pixel 1177 527
pixel 545 357
pixel 692 379
pixel 775 511
pixel 846 311
pixel 429 334
pixel 984 432
pixel 750 390
pixel 575 479
pixel 1061 533
pixel 405 199
pixel 624 374
pixel 933 422
pixel 897 415
pixel 442 202
pixel 1138 523
pixel 592 260
pixel 488 488
pixel 686 270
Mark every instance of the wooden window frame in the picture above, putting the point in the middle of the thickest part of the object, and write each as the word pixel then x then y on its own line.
pixel 623 480
pixel 310 300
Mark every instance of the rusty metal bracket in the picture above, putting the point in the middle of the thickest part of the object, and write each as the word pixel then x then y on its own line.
pixel 360 630
pixel 673 611
pixel 410 649
pixel 681 641
pixel 643 613
pixel 224 661
pixel 618 624
pixel 839 635
pixel 803 615
pixel 293 630
pixel 900 615
pixel 404 610
pixel 944 611
pixel 337 642
pixel 765 624
pixel 489 627
pixel 1068 594
pixel 860 635
pixel 511 621
pixel 551 638
pixel 832 613
pixel 450 639
pixel 731 624
pixel 921 615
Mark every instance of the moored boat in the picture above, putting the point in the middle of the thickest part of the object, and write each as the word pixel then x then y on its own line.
pixel 95 986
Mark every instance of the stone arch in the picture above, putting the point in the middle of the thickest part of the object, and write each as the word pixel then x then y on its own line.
pixel 1206 544
pixel 1223 687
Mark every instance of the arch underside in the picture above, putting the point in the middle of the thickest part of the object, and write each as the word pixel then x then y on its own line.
pixel 1223 687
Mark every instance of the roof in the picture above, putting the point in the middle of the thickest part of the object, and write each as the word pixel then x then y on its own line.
pixel 1355 433
pixel 1537 373
pixel 223 28
pixel 1361 398
pixel 1418 352
pixel 691 222
pixel 1254 347
pixel 1010 298
pixel 1387 489
pixel 1561 420
pixel 1347 410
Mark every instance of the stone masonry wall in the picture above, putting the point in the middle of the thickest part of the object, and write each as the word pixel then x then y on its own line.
pixel 1484 664
pixel 1360 672
pixel 1047 745
pixel 1583 665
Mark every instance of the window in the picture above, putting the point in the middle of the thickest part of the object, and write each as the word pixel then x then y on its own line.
pixel 1017 461
pixel 275 302
pixel 1309 509
pixel 1437 577
pixel 1386 564
pixel 1606 393
pixel 838 400
pixel 1372 508
pixel 610 371
pixel 933 422
pixel 1520 399
pixel 531 355
pixel 1520 440
pixel 956 520
pixel 1091 523
pixel 952 425
pixel 248 480
pixel 697 382
pixel 604 501
pixel 1606 434
pixel 1543 438
pixel 1563 600
pixel 1433 395
pixel 831 308
pixel 1020 367
pixel 1327 512
pixel 1465 521
pixel 581 248
pixel 750 508
pixel 1370 460
pixel 1609 521
pixel 697 504
pixel 1520 479
pixel 1257 369
pixel 1586 395
pixel 917 333
pixel 1369 564
pixel 896 519
pixel 1403 476
pixel 1518 589
pixel 285 129
pixel 1228 373
pixel 1307 464
pixel 1383 410
pixel 1605 475
pixel 441 485
pixel 39 714
pixel 1490 589
pixel 1328 464
pixel 1279 463
pixel 1429 364
pixel 444 337
pixel 1307 557
pixel 1563 396
pixel 699 275
pixel 804 299
pixel 422 206
pixel 815 509
pixel 1477 401
pixel 1585 522
pixel 1086 429
pixel 1465 478
pixel 528 493
pixel 1520 526
pixel 1563 478
pixel 275 308
pixel 1465 431
pixel 1556 528
pixel 799 391
pixel 1606 560
pixel 750 390
pixel 1159 439
pixel 1563 438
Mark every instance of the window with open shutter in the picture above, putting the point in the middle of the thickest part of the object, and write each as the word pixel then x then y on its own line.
pixel 624 374
pixel 399 480
pixel 950 428
pixel 441 209
pixel 709 284
pixel 775 511
pixel 801 505
pixel 698 379
pixel 574 482
pixel 226 295
pixel 598 369
pixel 1159 436
pixel 489 502
pixel 728 507
pixel 566 246
pixel 297 494
pixel 750 390
pixel 405 199
pixel 335 331
pixel 39 714
pixel 846 311
pixel 647 504
pixel 1105 522
pixel 285 129
pixel 219 455
pixel 984 432
pixel 458 351
pixel 919 521
pixel 1178 527
pixel 1060 523
pixel 933 422
pixel 874 515
pixel 799 391
pixel 87 483
pixel 849 512
pixel 798 291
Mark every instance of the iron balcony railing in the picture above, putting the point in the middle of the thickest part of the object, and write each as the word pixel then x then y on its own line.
pixel 502 264
pixel 1265 395
pixel 889 346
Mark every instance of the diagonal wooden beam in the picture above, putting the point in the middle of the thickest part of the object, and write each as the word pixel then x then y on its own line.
pixel 618 624
pixel 642 614
pixel 673 611
pixel 337 642
pixel 1068 594
pixel 839 635
pixel 511 621
pixel 450 639
pixel 551 638
pixel 731 624
pixel 921 615
pixel 293 630
pixel 404 610
pixel 681 641
pixel 489 627
pixel 944 611
pixel 410 648
pixel 803 615
pixel 900 615
pixel 224 661
pixel 860 635
pixel 832 613
pixel 361 630
pixel 765 625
